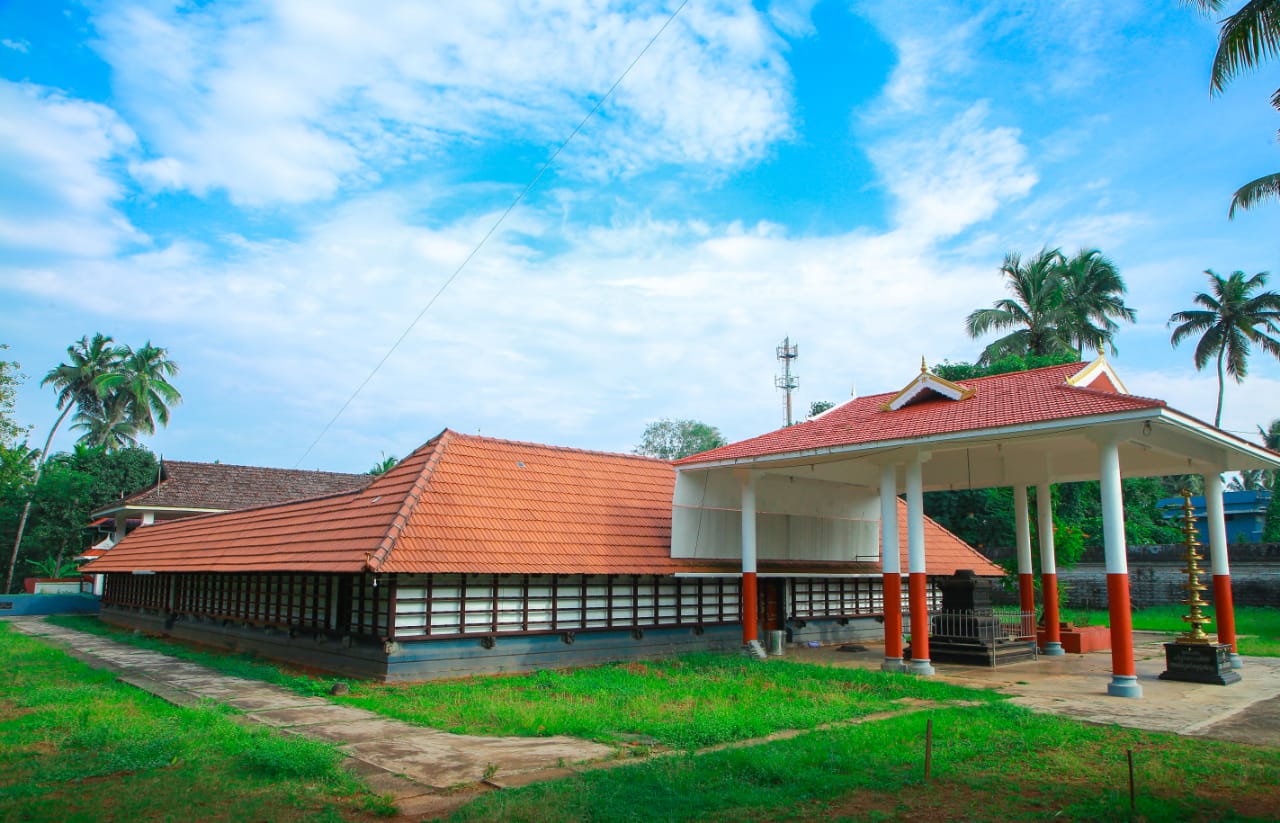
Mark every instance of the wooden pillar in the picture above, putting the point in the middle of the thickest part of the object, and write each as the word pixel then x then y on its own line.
pixel 750 631
pixel 1048 571
pixel 917 584
pixel 1223 610
pixel 1022 529
pixel 1124 676
pixel 891 568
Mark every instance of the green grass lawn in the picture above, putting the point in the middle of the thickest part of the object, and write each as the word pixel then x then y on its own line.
pixel 1259 625
pixel 76 744
pixel 990 762
pixel 687 702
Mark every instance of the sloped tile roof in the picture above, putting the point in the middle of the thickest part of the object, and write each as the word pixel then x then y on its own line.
pixel 470 504
pixel 997 402
pixel 223 487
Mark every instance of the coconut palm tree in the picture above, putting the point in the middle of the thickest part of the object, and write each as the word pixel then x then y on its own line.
pixel 1034 312
pixel 77 384
pixel 140 383
pixel 1093 300
pixel 1228 322
pixel 109 426
pixel 1245 39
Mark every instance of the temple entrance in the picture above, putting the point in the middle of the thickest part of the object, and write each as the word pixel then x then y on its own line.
pixel 773 611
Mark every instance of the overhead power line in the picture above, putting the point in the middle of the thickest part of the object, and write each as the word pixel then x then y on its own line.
pixel 492 229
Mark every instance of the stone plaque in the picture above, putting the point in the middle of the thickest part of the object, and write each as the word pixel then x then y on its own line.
pixel 1199 663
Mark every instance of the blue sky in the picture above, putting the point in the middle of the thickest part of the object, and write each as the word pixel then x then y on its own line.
pixel 274 190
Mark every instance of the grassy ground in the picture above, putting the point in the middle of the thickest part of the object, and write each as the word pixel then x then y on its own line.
pixel 991 762
pixel 1261 626
pixel 687 702
pixel 76 744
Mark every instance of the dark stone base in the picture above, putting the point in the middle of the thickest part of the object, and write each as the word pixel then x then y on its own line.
pixel 974 653
pixel 1199 663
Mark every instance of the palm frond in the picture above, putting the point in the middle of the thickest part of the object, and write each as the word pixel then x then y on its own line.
pixel 1246 38
pixel 1254 192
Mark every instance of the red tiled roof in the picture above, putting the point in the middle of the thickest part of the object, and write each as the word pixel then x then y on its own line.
pixel 468 504
pixel 187 485
pixel 1001 401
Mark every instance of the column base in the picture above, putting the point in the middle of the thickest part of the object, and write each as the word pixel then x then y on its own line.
pixel 893 664
pixel 920 667
pixel 1052 650
pixel 1124 685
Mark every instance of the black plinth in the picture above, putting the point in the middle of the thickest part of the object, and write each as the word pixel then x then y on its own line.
pixel 1199 663
pixel 964 591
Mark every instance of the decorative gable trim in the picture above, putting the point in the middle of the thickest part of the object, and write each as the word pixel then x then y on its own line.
pixel 927 382
pixel 1099 376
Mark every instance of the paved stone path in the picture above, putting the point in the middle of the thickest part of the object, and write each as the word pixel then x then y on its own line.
pixel 420 767
pixel 1075 685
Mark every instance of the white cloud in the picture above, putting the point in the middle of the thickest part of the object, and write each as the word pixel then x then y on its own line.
pixel 951 180
pixel 17 45
pixel 56 158
pixel 287 102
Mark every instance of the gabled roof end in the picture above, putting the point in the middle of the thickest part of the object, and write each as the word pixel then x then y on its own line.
pixel 927 382
pixel 1099 376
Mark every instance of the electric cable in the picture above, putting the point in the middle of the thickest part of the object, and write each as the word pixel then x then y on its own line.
pixel 492 229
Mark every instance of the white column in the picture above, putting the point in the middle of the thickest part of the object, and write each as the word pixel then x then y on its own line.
pixel 891 568
pixel 1213 489
pixel 1026 575
pixel 1022 529
pixel 1052 646
pixel 915 519
pixel 1044 525
pixel 750 629
pixel 1124 676
pixel 916 580
pixel 749 523
pixel 1223 608
pixel 890 561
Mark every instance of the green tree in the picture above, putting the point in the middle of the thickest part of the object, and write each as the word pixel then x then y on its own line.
pixel 1230 319
pixel 1005 365
pixel 1245 39
pixel 1058 304
pixel 76 382
pixel 137 389
pixel 71 487
pixel 817 407
pixel 386 464
pixel 117 393
pixel 11 377
pixel 1092 301
pixel 1034 312
pixel 672 439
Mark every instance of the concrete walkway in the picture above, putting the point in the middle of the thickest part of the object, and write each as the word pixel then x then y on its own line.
pixel 1075 685
pixel 421 768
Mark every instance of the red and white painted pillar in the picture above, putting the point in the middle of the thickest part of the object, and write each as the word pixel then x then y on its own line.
pixel 1022 529
pixel 1223 610
pixel 1048 571
pixel 917 584
pixel 891 569
pixel 1124 676
pixel 750 631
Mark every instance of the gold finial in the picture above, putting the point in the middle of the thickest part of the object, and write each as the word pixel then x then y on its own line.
pixel 923 367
